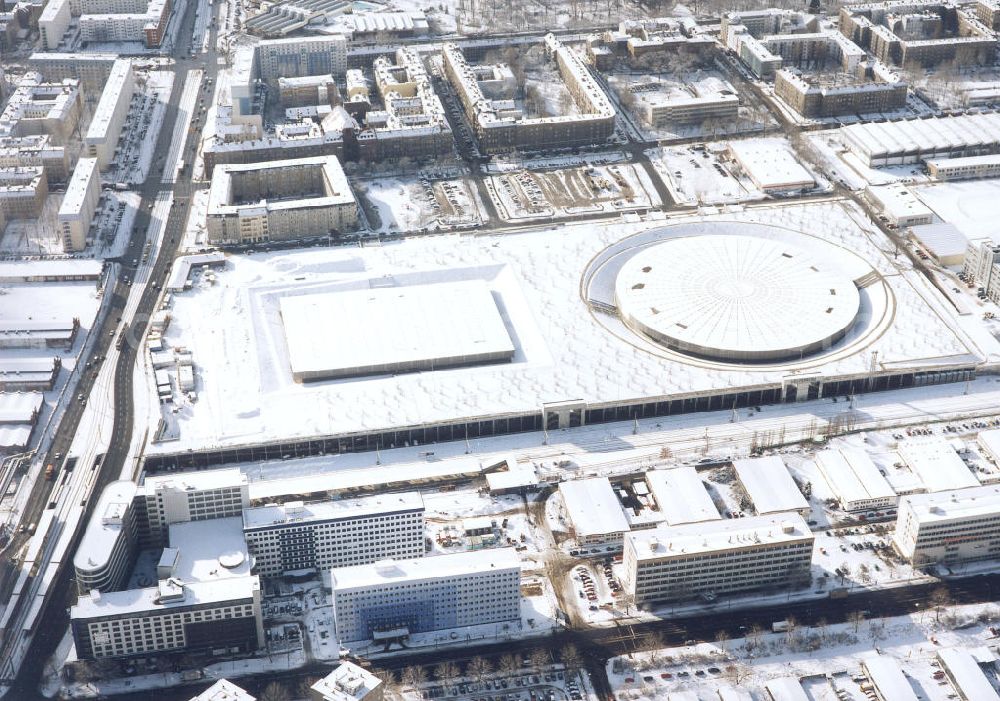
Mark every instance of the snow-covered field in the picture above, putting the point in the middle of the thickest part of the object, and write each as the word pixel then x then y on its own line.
pixel 695 175
pixel 247 393
pixel 396 205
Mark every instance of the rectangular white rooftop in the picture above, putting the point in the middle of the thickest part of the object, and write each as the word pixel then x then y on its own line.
pixel 888 679
pixel 19 407
pixel 393 330
pixel 697 538
pixel 937 464
pixel 66 269
pixel 195 481
pixel 426 568
pixel 989 442
pixel 959 504
pixel 137 601
pixel 593 507
pixel 210 550
pixel 769 486
pixel 964 670
pixel 785 689
pixel 681 496
pixel 853 476
pixel 771 164
pixel 278 514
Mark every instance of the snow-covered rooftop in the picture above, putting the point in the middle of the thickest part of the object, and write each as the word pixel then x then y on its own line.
pixel 681 495
pixel 769 486
pixel 297 512
pixel 223 690
pixel 887 677
pixel 694 538
pixel 937 464
pixel 133 601
pixel 210 550
pixel 593 507
pixel 771 164
pixel 964 670
pixel 853 476
pixel 959 504
pixel 104 528
pixel 394 329
pixel 425 568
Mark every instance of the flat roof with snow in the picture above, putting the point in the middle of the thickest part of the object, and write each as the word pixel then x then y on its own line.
pixel 290 513
pixel 394 330
pixel 957 505
pixel 966 674
pixel 136 601
pixel 681 495
pixel 65 269
pixel 989 441
pixel 210 550
pixel 713 536
pixel 785 689
pixel 937 464
pixel 208 479
pixel 20 407
pixel 425 568
pixel 769 485
pixel 854 478
pixel 103 529
pixel 771 165
pixel 888 679
pixel 593 507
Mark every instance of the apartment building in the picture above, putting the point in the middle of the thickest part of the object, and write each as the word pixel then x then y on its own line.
pixel 328 534
pixel 988 12
pixel 308 90
pixel 500 126
pixel 192 496
pixel 302 56
pixel 949 527
pixel 91 69
pixel 878 89
pixel 397 598
pixel 76 212
pixel 106 553
pixel 54 22
pixel 36 107
pixel 142 21
pixel 280 200
pixel 671 563
pixel 105 129
pixel 22 192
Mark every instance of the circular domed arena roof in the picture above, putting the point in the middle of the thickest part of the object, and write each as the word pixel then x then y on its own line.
pixel 735 298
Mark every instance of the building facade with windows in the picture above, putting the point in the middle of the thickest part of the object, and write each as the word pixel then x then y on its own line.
pixel 323 535
pixel 672 563
pixel 948 527
pixel 107 550
pixel 398 598
pixel 193 496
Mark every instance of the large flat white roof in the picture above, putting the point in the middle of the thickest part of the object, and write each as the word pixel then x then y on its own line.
pixel 771 164
pixel 989 441
pixel 593 507
pixel 197 480
pixel 888 678
pixel 279 514
pixel 69 268
pixel 137 601
pixel 853 476
pixel 210 550
pixel 711 536
pixel 19 407
pixel 681 495
pixel 937 464
pixel 786 689
pixel 425 568
pixel 959 504
pixel 964 669
pixel 769 485
pixel 393 329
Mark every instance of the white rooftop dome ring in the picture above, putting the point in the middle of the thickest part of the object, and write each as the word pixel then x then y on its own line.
pixel 736 298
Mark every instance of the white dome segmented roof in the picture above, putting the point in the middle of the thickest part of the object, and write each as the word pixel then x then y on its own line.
pixel 736 298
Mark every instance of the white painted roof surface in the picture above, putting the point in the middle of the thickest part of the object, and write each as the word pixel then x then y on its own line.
pixel 937 464
pixel 425 568
pixel 769 485
pixel 770 164
pixel 273 515
pixel 736 297
pixel 394 329
pixel 959 504
pixel 593 507
pixel 134 601
pixel 681 496
pixel 210 550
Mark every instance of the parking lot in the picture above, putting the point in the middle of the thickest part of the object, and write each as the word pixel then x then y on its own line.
pixel 547 686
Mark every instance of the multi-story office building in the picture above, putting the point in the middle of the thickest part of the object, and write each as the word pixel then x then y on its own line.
pixel 501 126
pixel 416 596
pixel 91 69
pixel 671 563
pixel 967 168
pixel 106 552
pixel 120 20
pixel 322 535
pixel 280 200
pixel 106 125
pixel 76 212
pixel 949 527
pixel 693 106
pixel 302 56
pixel 192 496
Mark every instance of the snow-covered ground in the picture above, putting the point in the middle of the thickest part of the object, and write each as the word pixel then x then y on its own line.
pixel 525 195
pixel 396 205
pixel 826 660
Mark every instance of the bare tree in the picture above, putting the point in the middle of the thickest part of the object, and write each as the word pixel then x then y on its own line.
pixel 722 638
pixel 414 676
pixel 479 668
pixel 940 599
pixel 856 618
pixel 388 679
pixel 305 687
pixel 539 658
pixel 737 673
pixel 571 658
pixel 446 673
pixel 509 664
pixel 275 691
